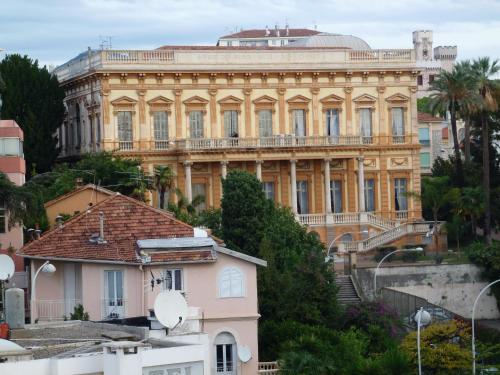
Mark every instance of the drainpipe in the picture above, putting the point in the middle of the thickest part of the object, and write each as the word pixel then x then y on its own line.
pixel 143 297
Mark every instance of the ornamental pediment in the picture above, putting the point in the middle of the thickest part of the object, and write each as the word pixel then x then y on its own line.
pixel 160 100
pixel 397 98
pixel 230 100
pixel 299 99
pixel 195 100
pixel 264 99
pixel 123 100
pixel 332 99
pixel 365 98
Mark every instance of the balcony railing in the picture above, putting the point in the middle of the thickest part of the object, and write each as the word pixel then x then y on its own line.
pixel 113 308
pixel 268 368
pixel 126 145
pixel 56 309
pixel 162 144
pixel 346 218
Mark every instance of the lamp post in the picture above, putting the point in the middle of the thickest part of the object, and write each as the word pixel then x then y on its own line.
pixel 422 318
pixel 327 258
pixel 384 258
pixel 47 267
pixel 473 330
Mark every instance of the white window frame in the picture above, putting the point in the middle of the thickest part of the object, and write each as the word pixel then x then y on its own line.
pixel 196 126
pixel 227 271
pixel 265 123
pixel 160 125
pixel 267 191
pixel 164 285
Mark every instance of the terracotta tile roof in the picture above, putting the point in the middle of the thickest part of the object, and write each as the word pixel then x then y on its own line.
pixel 261 33
pixel 126 220
pixel 427 117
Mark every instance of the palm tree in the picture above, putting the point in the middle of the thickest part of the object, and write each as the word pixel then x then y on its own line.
pixel 164 181
pixel 484 70
pixel 184 210
pixel 452 91
pixel 471 206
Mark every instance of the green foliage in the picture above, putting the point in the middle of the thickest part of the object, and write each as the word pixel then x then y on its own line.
pixel 212 219
pixel 487 257
pixel 13 199
pixel 436 194
pixel 33 98
pixel 79 313
pixel 445 348
pixel 184 210
pixel 244 209
pixel 164 181
pixel 423 105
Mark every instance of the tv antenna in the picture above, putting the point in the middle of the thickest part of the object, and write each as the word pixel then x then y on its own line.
pixel 105 42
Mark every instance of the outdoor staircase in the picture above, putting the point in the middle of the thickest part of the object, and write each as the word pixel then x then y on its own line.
pixel 347 294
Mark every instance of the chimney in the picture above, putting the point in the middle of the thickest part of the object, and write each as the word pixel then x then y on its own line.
pixel 267 31
pixel 79 182
pixel 287 30
pixel 101 239
pixel 59 221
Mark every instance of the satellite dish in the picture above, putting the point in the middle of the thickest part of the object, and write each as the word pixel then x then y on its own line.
pixel 7 267
pixel 170 308
pixel 244 354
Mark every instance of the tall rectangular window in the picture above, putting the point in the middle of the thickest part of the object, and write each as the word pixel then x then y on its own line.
pixel 173 280
pixel 398 125
pixel 365 118
pixel 196 124
pixel 302 198
pixel 423 136
pixel 113 294
pixel 420 80
pixel 425 159
pixel 125 126
pixel 370 194
pixel 160 123
pixel 265 123
pixel 400 199
pixel 299 122
pixel 268 187
pixel 336 195
pixel 332 123
pixel 3 218
pixel 199 194
pixel 231 124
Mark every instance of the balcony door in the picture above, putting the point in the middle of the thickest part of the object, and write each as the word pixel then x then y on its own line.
pixel 113 295
pixel 299 120
pixel 225 354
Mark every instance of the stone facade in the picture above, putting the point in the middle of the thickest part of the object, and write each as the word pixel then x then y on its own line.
pixel 294 149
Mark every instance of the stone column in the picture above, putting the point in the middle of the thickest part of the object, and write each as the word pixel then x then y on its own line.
pixel 187 172
pixel 293 180
pixel 361 184
pixel 223 168
pixel 248 113
pixel 178 114
pixel 258 169
pixel 281 109
pixel 328 197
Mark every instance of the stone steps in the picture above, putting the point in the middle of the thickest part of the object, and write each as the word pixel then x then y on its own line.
pixel 346 294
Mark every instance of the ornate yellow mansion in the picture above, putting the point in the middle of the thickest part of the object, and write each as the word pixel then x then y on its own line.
pixel 329 125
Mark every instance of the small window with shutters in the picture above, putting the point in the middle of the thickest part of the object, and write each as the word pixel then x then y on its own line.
pixel 231 283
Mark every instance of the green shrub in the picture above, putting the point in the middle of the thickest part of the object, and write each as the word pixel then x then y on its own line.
pixel 79 313
pixel 411 256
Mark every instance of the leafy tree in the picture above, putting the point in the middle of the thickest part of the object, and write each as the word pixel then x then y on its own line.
pixel 244 207
pixel 453 90
pixel 456 229
pixel 14 200
pixel 164 181
pixel 423 105
pixel 445 348
pixel 212 219
pixel 33 98
pixel 484 71
pixel 471 206
pixel 488 258
pixel 184 210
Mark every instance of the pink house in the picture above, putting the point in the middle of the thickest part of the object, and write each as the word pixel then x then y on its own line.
pixel 115 258
pixel 13 165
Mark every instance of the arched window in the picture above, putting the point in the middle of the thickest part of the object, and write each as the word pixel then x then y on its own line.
pixel 231 283
pixel 225 354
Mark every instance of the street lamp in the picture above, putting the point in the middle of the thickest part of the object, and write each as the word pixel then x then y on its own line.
pixel 422 318
pixel 48 268
pixel 473 331
pixel 328 258
pixel 384 258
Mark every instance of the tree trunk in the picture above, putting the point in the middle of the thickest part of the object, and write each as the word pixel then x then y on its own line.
pixel 486 178
pixel 456 147
pixel 162 198
pixel 467 140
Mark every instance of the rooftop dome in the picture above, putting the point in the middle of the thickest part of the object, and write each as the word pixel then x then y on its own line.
pixel 327 40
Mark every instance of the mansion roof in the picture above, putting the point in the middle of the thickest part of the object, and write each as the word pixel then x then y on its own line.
pixel 267 33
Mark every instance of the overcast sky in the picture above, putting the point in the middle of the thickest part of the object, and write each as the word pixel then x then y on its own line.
pixel 53 31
